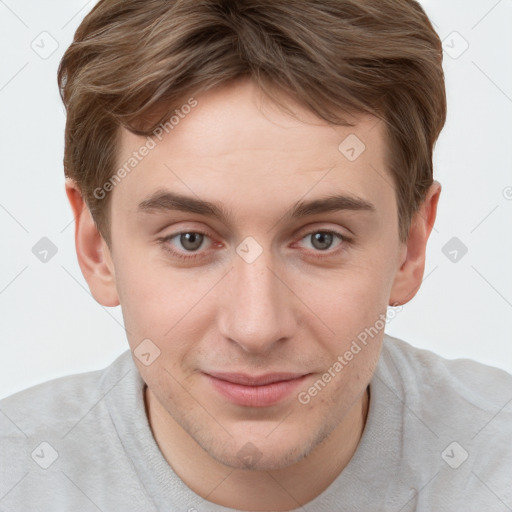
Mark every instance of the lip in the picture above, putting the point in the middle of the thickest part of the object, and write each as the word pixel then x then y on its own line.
pixel 255 391
pixel 254 380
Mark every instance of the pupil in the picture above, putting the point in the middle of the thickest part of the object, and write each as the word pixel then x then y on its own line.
pixel 322 241
pixel 191 241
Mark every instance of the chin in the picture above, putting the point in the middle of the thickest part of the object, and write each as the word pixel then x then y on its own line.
pixel 265 454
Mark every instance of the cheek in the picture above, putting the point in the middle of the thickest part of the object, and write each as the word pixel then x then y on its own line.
pixel 351 298
pixel 167 307
pixel 335 391
pixel 155 297
pixel 354 309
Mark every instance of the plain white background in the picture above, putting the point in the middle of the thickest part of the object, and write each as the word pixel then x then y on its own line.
pixel 51 326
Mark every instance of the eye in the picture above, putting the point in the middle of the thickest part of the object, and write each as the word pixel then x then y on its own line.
pixel 323 240
pixel 184 245
pixel 190 241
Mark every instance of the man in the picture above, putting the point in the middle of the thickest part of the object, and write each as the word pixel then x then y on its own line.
pixel 252 182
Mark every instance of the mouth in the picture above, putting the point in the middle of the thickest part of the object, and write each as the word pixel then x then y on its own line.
pixel 255 391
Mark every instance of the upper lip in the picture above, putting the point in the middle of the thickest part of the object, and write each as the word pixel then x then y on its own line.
pixel 255 380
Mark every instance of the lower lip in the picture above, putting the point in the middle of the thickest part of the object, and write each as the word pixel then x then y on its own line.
pixel 256 396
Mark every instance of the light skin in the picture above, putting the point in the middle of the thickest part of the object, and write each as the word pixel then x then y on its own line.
pixel 296 308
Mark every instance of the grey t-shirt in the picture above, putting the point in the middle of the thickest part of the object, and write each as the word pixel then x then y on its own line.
pixel 438 438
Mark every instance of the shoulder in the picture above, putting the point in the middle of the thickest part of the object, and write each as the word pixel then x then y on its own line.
pixel 477 384
pixel 61 436
pixel 52 403
pixel 454 421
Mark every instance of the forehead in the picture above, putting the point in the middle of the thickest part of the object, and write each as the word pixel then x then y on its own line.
pixel 236 146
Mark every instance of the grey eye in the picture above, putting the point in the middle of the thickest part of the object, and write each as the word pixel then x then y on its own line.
pixel 321 240
pixel 191 241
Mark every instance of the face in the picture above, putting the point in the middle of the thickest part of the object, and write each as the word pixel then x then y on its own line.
pixel 255 282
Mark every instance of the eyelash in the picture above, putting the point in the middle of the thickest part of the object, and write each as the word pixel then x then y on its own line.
pixel 194 255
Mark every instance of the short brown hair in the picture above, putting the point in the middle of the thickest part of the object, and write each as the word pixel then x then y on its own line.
pixel 131 59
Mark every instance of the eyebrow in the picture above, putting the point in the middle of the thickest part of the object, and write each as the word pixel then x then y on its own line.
pixel 164 201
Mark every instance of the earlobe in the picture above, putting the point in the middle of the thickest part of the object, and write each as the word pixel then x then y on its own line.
pixel 92 252
pixel 411 264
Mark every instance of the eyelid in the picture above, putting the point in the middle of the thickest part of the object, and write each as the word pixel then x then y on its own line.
pixel 301 233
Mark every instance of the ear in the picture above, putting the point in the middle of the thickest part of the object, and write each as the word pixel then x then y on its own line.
pixel 92 251
pixel 409 276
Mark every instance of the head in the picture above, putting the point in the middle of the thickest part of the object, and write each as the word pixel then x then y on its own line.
pixel 253 184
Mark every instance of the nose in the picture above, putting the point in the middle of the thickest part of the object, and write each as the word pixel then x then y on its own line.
pixel 258 307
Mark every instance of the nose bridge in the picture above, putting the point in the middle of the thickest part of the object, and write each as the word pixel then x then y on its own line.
pixel 257 311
